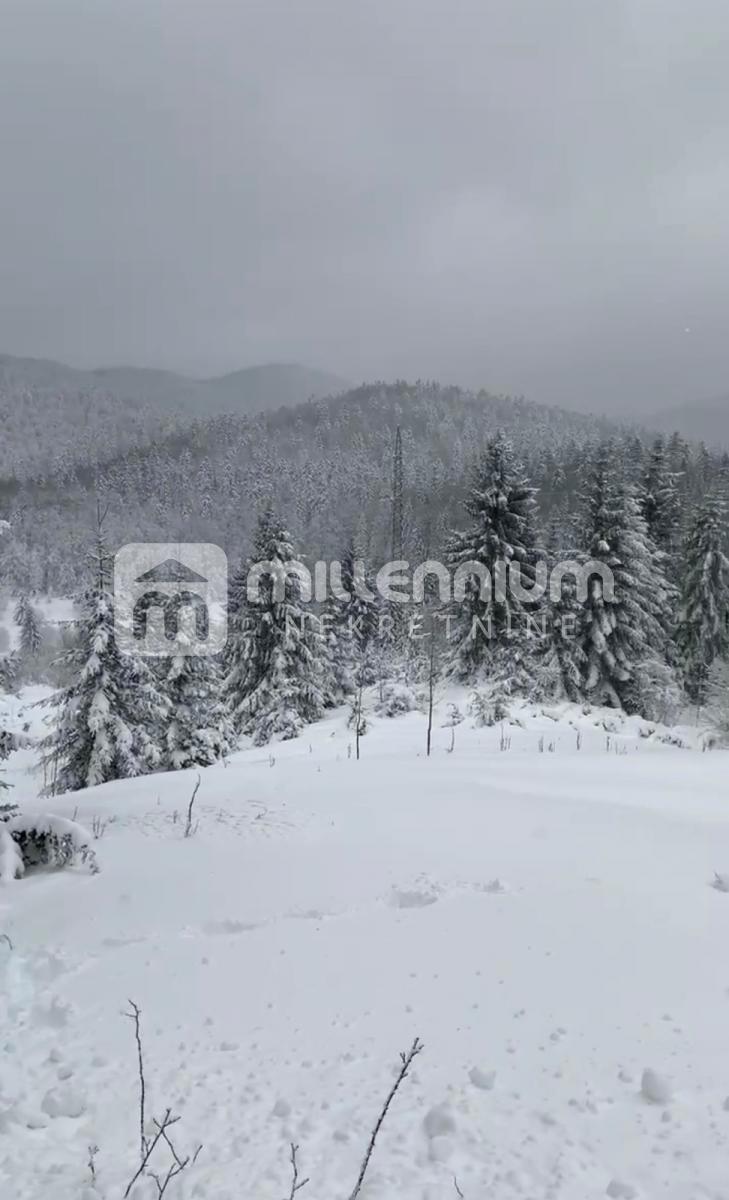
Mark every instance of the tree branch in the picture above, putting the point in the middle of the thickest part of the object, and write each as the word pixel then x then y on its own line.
pixel 134 1016
pixel 406 1060
pixel 188 827
pixel 296 1183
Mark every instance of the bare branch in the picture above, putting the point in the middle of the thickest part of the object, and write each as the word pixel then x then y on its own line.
pixel 459 1193
pixel 166 1122
pixel 148 1146
pixel 4 938
pixel 181 1163
pixel 176 1168
pixel 188 827
pixel 296 1183
pixel 134 1016
pixel 406 1060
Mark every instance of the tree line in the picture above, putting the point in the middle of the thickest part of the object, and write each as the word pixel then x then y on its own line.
pixel 649 646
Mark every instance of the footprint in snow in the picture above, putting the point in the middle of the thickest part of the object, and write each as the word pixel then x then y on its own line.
pixel 412 899
pixel 228 926
pixel 495 887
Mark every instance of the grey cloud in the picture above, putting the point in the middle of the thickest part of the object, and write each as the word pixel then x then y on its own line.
pixel 529 196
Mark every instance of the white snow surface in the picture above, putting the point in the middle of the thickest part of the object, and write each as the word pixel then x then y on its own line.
pixel 326 912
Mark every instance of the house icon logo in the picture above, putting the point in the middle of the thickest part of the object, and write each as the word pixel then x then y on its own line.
pixel 170 598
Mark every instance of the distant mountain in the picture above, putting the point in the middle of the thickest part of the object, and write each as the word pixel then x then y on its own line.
pixel 53 416
pixel 253 389
pixel 707 421
pixel 326 466
pixel 260 389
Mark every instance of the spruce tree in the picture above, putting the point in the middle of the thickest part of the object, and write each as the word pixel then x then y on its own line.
pixel 351 620
pixel 111 714
pixel 502 504
pixel 562 659
pixel 198 731
pixel 660 500
pixel 276 668
pixel 624 630
pixel 701 636
pixel 8 807
pixel 28 622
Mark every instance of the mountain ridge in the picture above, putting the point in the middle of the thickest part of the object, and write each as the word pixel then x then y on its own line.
pixel 706 421
pixel 249 389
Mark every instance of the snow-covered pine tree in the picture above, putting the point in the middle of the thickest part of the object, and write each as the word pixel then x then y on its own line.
pixel 560 660
pixel 8 808
pixel 9 666
pixel 276 665
pixel 199 730
pixel 622 633
pixel 501 503
pixel 702 634
pixel 351 624
pixel 660 500
pixel 111 715
pixel 28 622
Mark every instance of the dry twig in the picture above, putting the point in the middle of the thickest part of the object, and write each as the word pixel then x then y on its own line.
pixel 296 1183
pixel 134 1016
pixel 148 1146
pixel 406 1060
pixel 189 828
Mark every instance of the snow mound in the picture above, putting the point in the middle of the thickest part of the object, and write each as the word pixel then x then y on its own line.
pixel 483 1080
pixel 413 899
pixel 64 1102
pixel 656 1088
pixel 11 860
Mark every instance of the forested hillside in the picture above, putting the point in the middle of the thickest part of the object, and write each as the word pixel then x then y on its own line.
pixel 55 417
pixel 325 465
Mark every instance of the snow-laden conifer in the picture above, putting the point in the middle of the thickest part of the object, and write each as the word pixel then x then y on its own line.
pixel 276 677
pixel 110 717
pixel 702 626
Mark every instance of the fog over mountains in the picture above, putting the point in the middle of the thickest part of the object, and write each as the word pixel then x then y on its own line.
pixel 707 421
pixel 253 389
pixel 55 415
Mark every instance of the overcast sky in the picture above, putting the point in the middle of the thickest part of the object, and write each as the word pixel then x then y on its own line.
pixel 529 195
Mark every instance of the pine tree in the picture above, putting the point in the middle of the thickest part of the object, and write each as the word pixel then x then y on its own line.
pixel 276 668
pixel 27 620
pixel 660 500
pixel 199 730
pixel 702 627
pixel 9 673
pixel 562 660
pixel 501 504
pixel 8 808
pixel 112 713
pixel 625 630
pixel 351 621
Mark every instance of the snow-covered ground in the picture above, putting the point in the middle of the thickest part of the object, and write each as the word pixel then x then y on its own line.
pixel 544 921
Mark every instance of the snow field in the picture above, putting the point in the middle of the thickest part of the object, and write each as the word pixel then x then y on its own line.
pixel 544 921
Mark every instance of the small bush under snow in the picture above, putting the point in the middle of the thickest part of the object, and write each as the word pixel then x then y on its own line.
pixel 397 699
pixel 46 840
pixel 487 708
